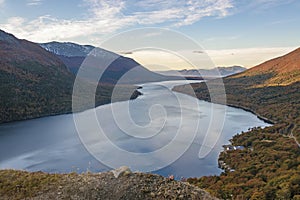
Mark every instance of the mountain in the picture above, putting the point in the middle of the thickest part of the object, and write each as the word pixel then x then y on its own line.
pixel 270 90
pixel 216 72
pixel 226 71
pixel 269 166
pixel 35 82
pixel 68 49
pixel 73 55
pixel 283 70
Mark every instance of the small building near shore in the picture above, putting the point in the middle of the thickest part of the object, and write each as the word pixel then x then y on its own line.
pixel 239 147
pixel 231 147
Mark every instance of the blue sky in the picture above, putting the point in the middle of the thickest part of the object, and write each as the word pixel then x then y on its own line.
pixel 258 30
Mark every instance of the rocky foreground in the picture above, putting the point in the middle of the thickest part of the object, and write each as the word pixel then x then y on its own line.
pixel 117 184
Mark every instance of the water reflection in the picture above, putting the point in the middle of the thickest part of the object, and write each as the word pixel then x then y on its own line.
pixel 52 144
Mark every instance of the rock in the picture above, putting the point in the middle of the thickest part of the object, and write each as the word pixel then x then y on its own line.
pixel 121 171
pixel 152 194
pixel 98 186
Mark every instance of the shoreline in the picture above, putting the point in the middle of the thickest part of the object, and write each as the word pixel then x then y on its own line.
pixel 139 94
pixel 266 120
pixel 136 92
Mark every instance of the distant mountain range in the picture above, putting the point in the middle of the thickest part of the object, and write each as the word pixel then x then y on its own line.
pixel 271 83
pixel 216 72
pixel 73 56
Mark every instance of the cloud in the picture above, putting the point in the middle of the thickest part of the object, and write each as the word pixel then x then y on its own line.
pixel 34 2
pixel 104 18
pixel 125 52
pixel 109 16
pixel 197 51
pixel 2 2
pixel 220 38
pixel 265 5
pixel 196 10
pixel 258 6
pixel 283 21
pixel 272 2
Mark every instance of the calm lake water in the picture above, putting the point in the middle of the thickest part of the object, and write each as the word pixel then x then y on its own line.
pixel 181 122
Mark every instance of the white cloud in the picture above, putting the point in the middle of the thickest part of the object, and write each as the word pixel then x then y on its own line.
pixel 34 2
pixel 196 10
pixel 221 38
pixel 272 2
pixel 110 16
pixel 259 5
pixel 2 2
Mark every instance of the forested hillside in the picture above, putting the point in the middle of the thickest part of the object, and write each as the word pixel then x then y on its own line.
pixel 268 167
pixel 36 83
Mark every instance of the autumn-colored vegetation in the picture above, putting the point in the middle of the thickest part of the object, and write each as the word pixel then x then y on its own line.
pixel 36 83
pixel 32 90
pixel 16 185
pixel 269 167
pixel 285 70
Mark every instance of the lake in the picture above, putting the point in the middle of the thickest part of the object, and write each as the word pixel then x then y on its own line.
pixel 163 132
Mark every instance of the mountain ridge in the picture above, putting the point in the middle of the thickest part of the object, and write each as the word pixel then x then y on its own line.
pixel 283 70
pixel 31 78
pixel 215 72
pixel 36 83
pixel 29 51
pixel 73 55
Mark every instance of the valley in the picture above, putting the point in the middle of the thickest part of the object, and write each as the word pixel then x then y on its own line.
pixel 56 147
pixel 172 123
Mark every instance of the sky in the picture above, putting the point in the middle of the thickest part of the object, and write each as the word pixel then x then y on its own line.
pixel 231 32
